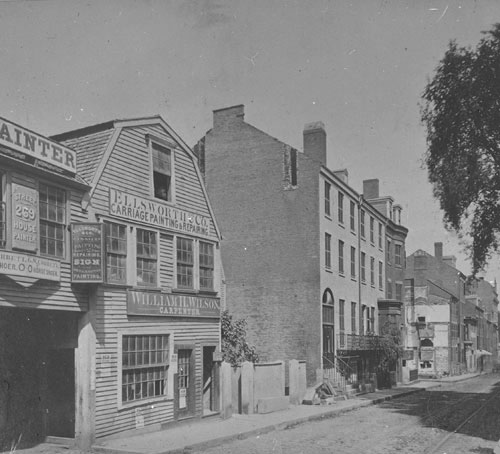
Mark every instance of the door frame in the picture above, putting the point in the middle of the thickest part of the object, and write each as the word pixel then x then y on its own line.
pixel 215 386
pixel 191 398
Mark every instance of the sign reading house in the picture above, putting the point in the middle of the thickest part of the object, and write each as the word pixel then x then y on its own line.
pixel 86 252
pixel 147 211
pixel 140 302
pixel 45 152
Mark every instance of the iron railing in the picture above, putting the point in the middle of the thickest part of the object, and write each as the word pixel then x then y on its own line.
pixel 340 371
pixel 358 342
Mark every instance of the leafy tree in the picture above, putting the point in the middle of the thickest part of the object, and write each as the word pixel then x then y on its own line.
pixel 461 112
pixel 235 348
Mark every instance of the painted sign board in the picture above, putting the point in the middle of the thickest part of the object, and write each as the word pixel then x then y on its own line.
pixel 148 211
pixel 17 264
pixel 24 218
pixel 36 146
pixel 143 302
pixel 87 252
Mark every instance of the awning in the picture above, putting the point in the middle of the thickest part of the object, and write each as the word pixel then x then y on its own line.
pixel 482 353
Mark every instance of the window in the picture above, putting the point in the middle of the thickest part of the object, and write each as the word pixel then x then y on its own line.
pixel 363 267
pixel 328 250
pixel 116 253
pixel 352 216
pixel 362 223
pixel 328 329
pixel 399 291
pixel 144 366
pixel 372 228
pixel 3 228
pixel 353 262
pixel 206 266
pixel 342 322
pixel 341 208
pixel 372 271
pixel 389 289
pixel 397 254
pixel 388 252
pixel 372 319
pixel 185 263
pixel 341 257
pixel 380 275
pixel 327 198
pixel 52 206
pixel 162 172
pixel 380 242
pixel 147 258
pixel 353 317
pixel 293 167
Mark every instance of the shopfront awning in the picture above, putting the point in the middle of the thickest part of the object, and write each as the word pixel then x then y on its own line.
pixel 482 353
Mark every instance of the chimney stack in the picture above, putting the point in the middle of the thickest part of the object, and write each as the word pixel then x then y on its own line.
pixel 371 189
pixel 228 115
pixel 315 142
pixel 438 250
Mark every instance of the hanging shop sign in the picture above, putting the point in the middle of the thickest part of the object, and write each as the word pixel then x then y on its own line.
pixel 17 264
pixel 87 252
pixel 24 218
pixel 147 211
pixel 42 151
pixel 171 305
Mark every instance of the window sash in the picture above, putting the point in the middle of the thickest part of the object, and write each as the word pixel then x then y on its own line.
pixel 185 263
pixel 353 261
pixel 206 257
pixel 328 250
pixel 380 242
pixel 397 254
pixel 341 257
pixel 363 267
pixel 380 275
pixel 162 159
pixel 353 318
pixel 372 230
pixel 372 271
pixel 353 216
pixel 327 198
pixel 116 253
pixel 362 224
pixel 52 212
pixel 146 257
pixel 341 207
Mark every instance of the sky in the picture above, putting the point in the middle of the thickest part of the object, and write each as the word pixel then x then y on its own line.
pixel 359 66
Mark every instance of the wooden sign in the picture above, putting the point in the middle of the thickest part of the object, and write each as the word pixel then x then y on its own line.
pixel 24 218
pixel 87 252
pixel 17 264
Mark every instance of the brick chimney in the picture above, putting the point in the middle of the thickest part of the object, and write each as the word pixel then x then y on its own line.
pixel 438 250
pixel 228 115
pixel 371 189
pixel 315 142
pixel 450 260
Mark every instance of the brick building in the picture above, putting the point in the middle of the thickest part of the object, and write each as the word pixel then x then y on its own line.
pixel 303 252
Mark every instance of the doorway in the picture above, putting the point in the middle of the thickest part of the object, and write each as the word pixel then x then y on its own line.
pixel 185 392
pixel 210 382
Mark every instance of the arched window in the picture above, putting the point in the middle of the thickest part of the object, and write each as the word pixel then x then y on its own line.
pixel 328 329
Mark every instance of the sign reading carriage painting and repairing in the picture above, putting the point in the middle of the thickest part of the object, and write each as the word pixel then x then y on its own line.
pixel 35 146
pixel 17 264
pixel 86 252
pixel 140 302
pixel 147 211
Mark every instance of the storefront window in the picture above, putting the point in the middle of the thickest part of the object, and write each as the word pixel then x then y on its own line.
pixel 116 253
pixel 185 263
pixel 147 258
pixel 206 266
pixel 52 206
pixel 144 366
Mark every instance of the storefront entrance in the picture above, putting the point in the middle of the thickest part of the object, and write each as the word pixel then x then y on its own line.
pixel 210 382
pixel 185 392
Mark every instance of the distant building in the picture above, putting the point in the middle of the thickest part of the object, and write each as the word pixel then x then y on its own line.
pixel 303 252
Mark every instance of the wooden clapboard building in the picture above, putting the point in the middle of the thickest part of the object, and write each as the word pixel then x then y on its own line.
pixel 43 317
pixel 156 316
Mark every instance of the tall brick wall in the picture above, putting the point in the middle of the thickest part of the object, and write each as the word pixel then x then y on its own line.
pixel 270 237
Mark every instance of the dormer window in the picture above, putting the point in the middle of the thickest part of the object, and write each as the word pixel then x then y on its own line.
pixel 162 172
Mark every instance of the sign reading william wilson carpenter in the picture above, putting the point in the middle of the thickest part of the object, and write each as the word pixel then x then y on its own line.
pixel 171 305
pixel 86 252
pixel 147 211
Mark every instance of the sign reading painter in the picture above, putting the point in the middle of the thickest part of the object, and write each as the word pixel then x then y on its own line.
pixel 24 218
pixel 153 213
pixel 171 305
pixel 37 146
pixel 17 264
pixel 86 252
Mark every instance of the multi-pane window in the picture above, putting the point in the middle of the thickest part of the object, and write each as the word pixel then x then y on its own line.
pixel 146 258
pixel 380 275
pixel 353 317
pixel 327 198
pixel 362 223
pixel 372 230
pixel 363 267
pixel 52 206
pixel 328 250
pixel 380 241
pixel 342 322
pixel 116 253
pixel 389 289
pixel 162 172
pixel 372 271
pixel 144 367
pixel 397 254
pixel 399 291
pixel 206 266
pixel 352 216
pixel 185 263
pixel 341 257
pixel 341 207
pixel 353 262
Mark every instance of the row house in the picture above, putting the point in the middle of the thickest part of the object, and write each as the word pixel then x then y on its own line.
pixel 304 253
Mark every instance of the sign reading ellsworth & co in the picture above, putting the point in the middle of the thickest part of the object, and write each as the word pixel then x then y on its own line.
pixel 17 264
pixel 36 146
pixel 147 211
pixel 140 302
pixel 86 252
